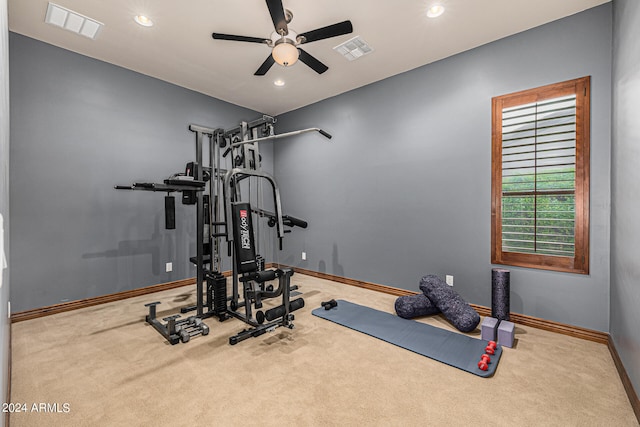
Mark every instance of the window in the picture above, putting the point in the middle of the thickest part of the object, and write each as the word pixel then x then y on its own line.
pixel 540 177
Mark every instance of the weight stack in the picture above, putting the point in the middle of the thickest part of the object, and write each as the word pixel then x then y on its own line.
pixel 500 284
pixel 217 289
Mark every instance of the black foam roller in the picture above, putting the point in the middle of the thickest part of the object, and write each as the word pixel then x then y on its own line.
pixel 500 293
pixel 278 311
pixel 450 303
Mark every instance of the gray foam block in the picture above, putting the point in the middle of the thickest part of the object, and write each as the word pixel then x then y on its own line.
pixel 506 333
pixel 410 306
pixel 488 329
pixel 450 303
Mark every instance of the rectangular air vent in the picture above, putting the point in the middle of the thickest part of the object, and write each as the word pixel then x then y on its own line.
pixel 354 48
pixel 72 21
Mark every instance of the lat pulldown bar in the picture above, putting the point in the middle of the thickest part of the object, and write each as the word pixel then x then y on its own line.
pixel 282 135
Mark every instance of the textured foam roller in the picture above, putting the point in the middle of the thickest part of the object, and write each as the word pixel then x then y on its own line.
pixel 500 293
pixel 450 303
pixel 411 306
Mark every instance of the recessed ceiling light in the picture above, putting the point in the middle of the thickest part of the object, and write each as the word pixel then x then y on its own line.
pixel 435 11
pixel 72 21
pixel 143 20
pixel 279 83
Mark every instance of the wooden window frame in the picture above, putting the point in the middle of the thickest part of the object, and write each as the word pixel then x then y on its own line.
pixel 579 263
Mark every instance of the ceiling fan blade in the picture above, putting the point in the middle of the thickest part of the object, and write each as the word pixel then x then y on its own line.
pixel 277 16
pixel 334 30
pixel 312 62
pixel 266 65
pixel 219 36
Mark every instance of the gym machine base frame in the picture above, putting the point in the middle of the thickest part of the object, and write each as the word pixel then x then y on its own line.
pixel 283 311
pixel 176 330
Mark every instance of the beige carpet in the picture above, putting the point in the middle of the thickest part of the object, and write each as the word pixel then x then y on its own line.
pixel 112 369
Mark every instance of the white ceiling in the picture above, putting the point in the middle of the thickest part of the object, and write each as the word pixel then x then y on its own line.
pixel 179 48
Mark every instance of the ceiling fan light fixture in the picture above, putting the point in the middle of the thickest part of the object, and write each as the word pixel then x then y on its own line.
pixel 435 10
pixel 285 53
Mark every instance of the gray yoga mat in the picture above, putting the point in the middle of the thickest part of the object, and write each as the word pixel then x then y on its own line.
pixel 454 349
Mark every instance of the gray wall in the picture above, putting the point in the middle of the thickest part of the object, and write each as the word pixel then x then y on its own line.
pixel 78 127
pixel 625 187
pixel 4 199
pixel 403 188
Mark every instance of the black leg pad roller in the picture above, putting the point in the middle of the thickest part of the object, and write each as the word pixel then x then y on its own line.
pixel 410 306
pixel 274 313
pixel 261 276
pixel 450 303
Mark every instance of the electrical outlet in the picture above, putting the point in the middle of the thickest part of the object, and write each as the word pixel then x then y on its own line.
pixel 304 256
pixel 169 267
pixel 449 280
pixel 9 309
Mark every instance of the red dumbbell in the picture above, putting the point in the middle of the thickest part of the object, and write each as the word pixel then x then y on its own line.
pixel 491 348
pixel 484 362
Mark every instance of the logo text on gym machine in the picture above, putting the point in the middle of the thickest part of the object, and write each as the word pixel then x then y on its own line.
pixel 244 229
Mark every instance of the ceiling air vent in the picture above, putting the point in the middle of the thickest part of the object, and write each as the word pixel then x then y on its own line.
pixel 354 48
pixel 72 21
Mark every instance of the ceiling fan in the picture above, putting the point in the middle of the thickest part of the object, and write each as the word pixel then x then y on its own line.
pixel 285 42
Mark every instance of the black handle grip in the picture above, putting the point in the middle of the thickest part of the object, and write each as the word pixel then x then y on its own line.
pixel 294 222
pixel 325 134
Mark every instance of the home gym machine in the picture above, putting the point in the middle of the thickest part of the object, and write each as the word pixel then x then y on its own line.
pixel 248 266
pixel 222 212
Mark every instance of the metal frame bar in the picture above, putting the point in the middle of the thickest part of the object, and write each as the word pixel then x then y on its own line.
pixel 282 135
pixel 200 132
pixel 276 195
